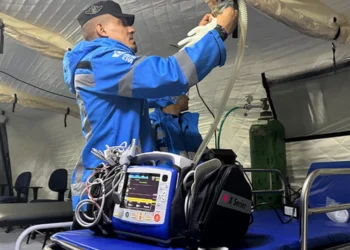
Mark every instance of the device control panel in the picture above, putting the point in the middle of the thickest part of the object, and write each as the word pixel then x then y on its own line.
pixel 144 195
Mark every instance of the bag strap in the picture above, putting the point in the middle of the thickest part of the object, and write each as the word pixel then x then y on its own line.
pixel 84 65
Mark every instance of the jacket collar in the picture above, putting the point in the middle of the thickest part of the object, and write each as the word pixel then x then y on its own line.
pixel 108 42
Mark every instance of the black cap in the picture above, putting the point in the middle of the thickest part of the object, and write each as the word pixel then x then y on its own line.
pixel 102 8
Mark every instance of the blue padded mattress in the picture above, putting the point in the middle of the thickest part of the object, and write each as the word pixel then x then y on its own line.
pixel 266 233
pixel 335 187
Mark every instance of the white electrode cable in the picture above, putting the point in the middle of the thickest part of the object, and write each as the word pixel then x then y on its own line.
pixel 86 202
pixel 104 174
pixel 118 177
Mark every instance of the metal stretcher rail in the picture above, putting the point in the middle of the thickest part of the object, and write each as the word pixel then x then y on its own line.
pixel 283 190
pixel 39 227
pixel 304 201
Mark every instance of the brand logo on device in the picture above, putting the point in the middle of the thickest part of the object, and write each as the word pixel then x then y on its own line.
pixel 234 202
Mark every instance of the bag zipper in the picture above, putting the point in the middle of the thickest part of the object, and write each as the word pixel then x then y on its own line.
pixel 213 203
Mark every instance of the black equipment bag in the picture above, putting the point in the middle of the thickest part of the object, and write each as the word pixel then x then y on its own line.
pixel 219 215
pixel 178 225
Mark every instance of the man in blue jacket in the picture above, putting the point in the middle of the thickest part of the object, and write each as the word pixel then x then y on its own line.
pixel 175 130
pixel 112 84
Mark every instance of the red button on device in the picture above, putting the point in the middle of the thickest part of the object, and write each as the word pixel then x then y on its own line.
pixel 156 217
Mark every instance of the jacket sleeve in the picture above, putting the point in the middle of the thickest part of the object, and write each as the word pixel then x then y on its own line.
pixel 153 103
pixel 154 77
pixel 160 102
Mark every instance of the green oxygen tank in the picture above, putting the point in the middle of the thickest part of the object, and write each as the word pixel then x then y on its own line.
pixel 267 151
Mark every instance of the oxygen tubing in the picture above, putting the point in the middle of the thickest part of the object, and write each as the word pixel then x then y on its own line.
pixel 222 123
pixel 243 26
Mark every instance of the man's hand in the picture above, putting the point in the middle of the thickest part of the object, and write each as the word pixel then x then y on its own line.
pixel 228 19
pixel 206 24
pixel 206 19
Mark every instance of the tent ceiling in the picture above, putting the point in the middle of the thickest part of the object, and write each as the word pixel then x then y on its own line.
pixel 270 45
pixel 31 67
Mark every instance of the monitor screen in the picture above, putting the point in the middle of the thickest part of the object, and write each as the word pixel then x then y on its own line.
pixel 141 191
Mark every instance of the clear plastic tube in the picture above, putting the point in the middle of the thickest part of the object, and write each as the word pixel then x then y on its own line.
pixel 243 26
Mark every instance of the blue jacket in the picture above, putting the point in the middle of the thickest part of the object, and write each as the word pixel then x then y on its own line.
pixel 177 135
pixel 160 102
pixel 112 95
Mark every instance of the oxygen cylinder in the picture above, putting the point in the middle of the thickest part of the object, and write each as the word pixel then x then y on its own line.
pixel 267 151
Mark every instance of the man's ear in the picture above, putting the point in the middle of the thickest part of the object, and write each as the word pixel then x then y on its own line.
pixel 100 30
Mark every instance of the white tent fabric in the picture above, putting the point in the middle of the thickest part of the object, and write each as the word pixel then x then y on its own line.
pixel 310 17
pixel 37 33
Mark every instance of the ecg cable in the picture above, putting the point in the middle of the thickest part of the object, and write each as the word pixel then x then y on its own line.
pixel 104 174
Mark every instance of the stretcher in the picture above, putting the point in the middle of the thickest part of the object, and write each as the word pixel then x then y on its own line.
pixel 312 231
pixel 266 233
pixel 47 214
pixel 24 214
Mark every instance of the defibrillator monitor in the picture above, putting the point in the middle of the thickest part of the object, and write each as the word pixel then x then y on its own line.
pixel 146 196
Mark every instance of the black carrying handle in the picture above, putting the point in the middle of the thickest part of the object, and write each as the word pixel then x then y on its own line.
pixel 235 32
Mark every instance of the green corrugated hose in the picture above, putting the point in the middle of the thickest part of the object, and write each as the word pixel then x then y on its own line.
pixel 222 123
